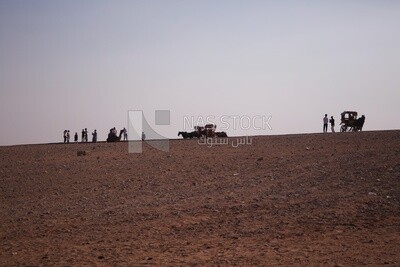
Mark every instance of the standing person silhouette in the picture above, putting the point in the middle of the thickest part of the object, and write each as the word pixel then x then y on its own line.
pixel 94 136
pixel 125 134
pixel 332 122
pixel 325 119
pixel 68 136
pixel 83 135
pixel 86 135
pixel 76 137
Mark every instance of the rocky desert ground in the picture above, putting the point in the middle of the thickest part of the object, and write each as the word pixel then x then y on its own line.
pixel 291 200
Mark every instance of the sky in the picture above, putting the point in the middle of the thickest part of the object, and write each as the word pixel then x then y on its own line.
pixel 85 64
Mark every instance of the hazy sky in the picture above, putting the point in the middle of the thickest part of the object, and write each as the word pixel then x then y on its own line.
pixel 75 64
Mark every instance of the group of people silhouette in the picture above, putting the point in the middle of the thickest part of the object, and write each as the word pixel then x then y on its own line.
pixel 331 121
pixel 84 136
pixel 112 136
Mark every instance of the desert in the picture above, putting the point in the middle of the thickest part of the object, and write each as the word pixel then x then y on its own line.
pixel 306 199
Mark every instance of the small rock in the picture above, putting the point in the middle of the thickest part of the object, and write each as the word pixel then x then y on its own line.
pixel 100 257
pixel 148 258
pixel 260 158
pixel 81 153
pixel 307 148
pixel 372 194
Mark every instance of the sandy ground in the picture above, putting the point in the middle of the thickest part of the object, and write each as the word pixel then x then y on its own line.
pixel 316 199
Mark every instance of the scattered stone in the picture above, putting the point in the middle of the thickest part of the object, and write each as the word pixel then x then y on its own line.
pixel 307 148
pixel 148 258
pixel 372 194
pixel 260 158
pixel 81 153
pixel 100 257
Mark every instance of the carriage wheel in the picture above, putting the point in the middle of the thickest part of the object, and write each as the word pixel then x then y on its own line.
pixel 343 129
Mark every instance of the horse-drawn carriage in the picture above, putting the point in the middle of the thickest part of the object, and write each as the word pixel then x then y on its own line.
pixel 208 130
pixel 203 131
pixel 350 123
